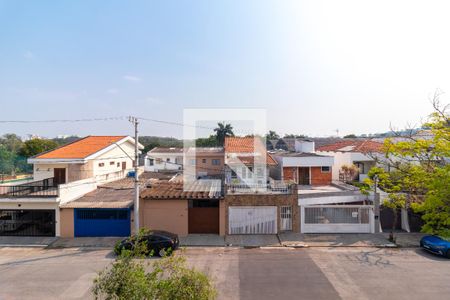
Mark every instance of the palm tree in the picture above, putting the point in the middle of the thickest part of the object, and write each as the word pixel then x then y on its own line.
pixel 223 130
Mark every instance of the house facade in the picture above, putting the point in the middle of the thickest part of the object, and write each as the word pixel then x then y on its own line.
pixel 61 176
pixel 302 165
pixel 161 159
pixel 204 162
pixel 360 153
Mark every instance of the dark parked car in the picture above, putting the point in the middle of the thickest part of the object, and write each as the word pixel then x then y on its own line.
pixel 436 245
pixel 158 242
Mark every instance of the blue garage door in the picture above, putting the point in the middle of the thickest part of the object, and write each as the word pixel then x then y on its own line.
pixel 102 222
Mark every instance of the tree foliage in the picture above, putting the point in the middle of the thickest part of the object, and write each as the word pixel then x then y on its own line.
pixel 35 146
pixel 420 170
pixel 169 278
pixel 222 131
pixel 272 135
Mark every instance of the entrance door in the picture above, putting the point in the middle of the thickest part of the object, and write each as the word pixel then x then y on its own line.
pixel 203 216
pixel 60 176
pixel 303 176
pixel 124 165
pixel 27 222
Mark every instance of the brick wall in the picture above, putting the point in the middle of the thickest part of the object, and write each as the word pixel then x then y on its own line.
pixel 319 178
pixel 266 200
pixel 289 173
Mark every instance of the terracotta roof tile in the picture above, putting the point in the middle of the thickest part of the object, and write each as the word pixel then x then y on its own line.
pixel 175 190
pixel 247 145
pixel 364 146
pixel 81 148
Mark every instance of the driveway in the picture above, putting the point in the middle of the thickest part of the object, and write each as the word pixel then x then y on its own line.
pixel 281 272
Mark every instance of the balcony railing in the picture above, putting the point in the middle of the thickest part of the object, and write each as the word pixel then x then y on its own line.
pixel 274 187
pixel 35 189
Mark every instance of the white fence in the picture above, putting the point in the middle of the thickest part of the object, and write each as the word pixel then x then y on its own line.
pixel 337 219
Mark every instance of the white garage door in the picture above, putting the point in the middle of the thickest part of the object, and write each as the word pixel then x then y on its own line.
pixel 252 220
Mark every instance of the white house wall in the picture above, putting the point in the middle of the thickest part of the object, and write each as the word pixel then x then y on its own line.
pixel 312 161
pixel 115 155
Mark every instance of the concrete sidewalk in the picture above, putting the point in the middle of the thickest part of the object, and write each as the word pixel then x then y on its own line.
pixel 404 239
pixel 26 241
pixel 86 242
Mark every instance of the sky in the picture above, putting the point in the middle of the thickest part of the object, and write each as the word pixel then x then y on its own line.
pixel 315 66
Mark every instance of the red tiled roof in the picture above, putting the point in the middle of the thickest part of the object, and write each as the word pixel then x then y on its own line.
pixel 364 146
pixel 235 144
pixel 81 148
pixel 175 190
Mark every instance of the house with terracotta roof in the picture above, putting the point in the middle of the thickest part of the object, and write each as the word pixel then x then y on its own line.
pixel 247 161
pixel 60 176
pixel 362 153
pixel 161 159
pixel 302 165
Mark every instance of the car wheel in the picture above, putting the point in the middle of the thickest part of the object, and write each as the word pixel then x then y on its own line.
pixel 448 253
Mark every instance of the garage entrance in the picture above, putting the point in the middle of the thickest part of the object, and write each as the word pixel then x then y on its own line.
pixel 337 219
pixel 203 216
pixel 252 220
pixel 27 222
pixel 101 222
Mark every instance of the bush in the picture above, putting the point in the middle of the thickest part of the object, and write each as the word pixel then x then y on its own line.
pixel 170 278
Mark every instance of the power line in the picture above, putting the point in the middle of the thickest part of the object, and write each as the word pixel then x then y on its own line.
pixel 120 118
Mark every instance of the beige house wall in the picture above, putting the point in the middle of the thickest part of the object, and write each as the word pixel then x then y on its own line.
pixel 67 222
pixel 80 171
pixel 167 214
pixel 222 218
pixel 207 166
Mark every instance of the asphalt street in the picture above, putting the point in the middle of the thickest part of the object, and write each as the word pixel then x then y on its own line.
pixel 272 273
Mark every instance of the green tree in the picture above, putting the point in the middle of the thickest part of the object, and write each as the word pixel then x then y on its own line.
pixel 350 136
pixel 420 169
pixel 223 130
pixel 272 135
pixel 210 141
pixel 6 161
pixel 297 136
pixel 35 146
pixel 169 278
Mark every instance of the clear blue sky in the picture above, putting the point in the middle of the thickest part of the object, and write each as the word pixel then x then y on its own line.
pixel 314 65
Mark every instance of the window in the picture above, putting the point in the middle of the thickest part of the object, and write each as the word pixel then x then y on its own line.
pixel 118 165
pixel 259 172
pixel 112 163
pixel 168 159
pixel 216 162
pixel 158 160
pixel 244 172
pixel 204 160
pixel 151 161
pixel 325 169
pixel 101 164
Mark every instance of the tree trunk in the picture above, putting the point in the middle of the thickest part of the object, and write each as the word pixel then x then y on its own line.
pixel 394 225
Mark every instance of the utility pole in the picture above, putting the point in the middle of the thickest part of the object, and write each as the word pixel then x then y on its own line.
pixel 135 122
pixel 376 202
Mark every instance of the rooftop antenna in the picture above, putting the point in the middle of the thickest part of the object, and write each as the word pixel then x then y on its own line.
pixel 337 132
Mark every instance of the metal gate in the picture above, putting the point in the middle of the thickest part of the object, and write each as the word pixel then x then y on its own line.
pixel 252 220
pixel 102 222
pixel 337 219
pixel 27 222
pixel 286 218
